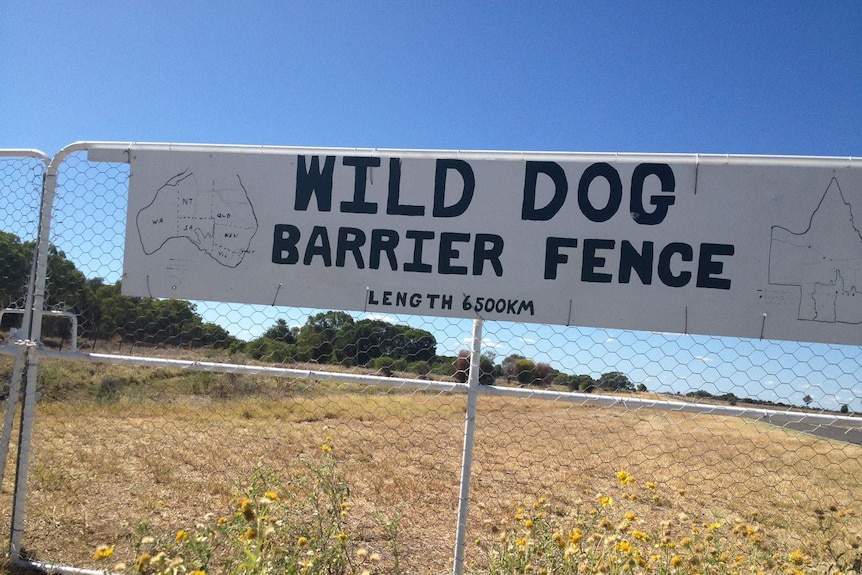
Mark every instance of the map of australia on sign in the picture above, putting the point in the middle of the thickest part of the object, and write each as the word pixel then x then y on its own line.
pixel 824 260
pixel 217 218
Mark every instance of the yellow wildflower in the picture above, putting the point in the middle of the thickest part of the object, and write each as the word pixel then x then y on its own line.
pixel 650 485
pixel 575 535
pixel 640 535
pixel 624 477
pixel 143 561
pixel 676 560
pixel 271 495
pixel 326 448
pixel 529 524
pixel 606 500
pixel 250 533
pixel 797 557
pixel 342 536
pixel 302 541
pixel 245 507
pixel 182 536
pixel 559 540
pixel 103 552
pixel 198 572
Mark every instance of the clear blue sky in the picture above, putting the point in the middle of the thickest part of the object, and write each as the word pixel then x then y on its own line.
pixel 704 77
pixel 708 77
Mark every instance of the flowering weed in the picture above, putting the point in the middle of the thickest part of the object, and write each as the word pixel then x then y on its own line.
pixel 298 527
pixel 607 536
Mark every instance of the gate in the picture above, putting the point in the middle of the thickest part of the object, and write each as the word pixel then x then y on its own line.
pixel 520 446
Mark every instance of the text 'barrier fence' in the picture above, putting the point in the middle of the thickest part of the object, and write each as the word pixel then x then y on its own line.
pixel 169 410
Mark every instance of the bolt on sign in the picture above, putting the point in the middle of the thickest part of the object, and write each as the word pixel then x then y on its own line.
pixel 762 247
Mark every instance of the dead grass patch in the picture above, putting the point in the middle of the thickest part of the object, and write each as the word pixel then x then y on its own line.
pixel 163 452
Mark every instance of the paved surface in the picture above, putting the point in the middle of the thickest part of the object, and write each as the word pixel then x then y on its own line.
pixel 847 431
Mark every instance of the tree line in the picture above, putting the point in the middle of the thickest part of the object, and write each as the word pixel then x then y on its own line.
pixel 103 312
pixel 334 337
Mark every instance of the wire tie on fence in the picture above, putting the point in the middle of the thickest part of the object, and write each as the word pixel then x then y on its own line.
pixel 685 327
pixel 569 318
pixel 149 293
pixel 365 303
pixel 277 289
pixel 696 171
pixel 467 299
pixel 762 325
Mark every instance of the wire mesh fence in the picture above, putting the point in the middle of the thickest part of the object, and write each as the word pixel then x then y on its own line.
pixel 325 439
pixel 21 174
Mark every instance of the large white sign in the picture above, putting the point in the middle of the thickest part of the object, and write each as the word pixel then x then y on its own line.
pixel 741 246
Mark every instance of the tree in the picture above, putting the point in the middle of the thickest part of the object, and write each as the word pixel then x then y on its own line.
pixel 15 262
pixel 546 373
pixel 317 337
pixel 615 381
pixel 282 332
pixel 488 372
pixel 412 344
pixel 509 366
pixel 363 341
pixel 527 372
pixel 582 383
pixel 845 408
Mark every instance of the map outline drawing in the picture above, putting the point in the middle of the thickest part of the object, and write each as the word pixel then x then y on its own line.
pixel 824 261
pixel 219 219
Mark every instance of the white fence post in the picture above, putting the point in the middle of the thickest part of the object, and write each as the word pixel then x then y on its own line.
pixel 469 431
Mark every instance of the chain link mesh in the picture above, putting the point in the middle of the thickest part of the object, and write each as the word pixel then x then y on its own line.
pixel 128 438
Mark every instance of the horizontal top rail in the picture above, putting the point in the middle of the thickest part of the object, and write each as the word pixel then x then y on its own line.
pixel 118 152
pixel 630 403
pixel 25 153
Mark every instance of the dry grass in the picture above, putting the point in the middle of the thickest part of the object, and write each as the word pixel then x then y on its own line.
pixel 167 447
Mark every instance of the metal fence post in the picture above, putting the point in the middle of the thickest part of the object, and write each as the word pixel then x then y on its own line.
pixel 33 314
pixel 467 462
pixel 18 366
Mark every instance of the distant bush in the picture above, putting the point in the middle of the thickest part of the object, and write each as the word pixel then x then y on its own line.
pixel 273 351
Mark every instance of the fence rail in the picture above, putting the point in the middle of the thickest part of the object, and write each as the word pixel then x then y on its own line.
pixel 458 439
